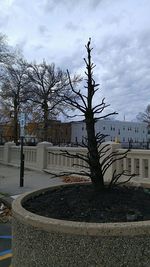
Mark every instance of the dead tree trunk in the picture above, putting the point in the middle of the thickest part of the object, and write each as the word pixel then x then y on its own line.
pixel 99 158
pixel 93 154
pixel 45 111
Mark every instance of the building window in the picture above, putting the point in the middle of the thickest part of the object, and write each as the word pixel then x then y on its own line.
pixel 103 127
pixel 123 139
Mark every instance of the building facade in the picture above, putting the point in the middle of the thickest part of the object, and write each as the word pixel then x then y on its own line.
pixel 120 131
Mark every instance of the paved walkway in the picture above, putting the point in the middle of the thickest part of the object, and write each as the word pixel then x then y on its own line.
pixel 10 184
pixel 10 180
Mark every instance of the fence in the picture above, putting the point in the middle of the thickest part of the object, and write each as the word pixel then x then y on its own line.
pixel 45 156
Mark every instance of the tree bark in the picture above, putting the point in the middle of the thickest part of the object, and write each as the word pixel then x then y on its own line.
pixel 45 110
pixel 94 158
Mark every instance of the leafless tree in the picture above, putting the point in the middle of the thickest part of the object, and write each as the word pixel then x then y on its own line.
pixel 45 83
pixel 99 158
pixel 13 94
pixel 7 53
pixel 145 116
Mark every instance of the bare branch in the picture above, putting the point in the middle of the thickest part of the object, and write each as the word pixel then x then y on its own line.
pixel 105 116
pixel 78 93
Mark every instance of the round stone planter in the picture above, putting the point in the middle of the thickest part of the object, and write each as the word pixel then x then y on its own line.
pixel 39 241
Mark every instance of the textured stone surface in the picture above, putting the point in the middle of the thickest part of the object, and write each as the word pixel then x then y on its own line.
pixel 33 247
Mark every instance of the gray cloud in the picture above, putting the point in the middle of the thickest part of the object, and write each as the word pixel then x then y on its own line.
pixel 51 5
pixel 125 74
pixel 120 32
pixel 21 44
pixel 4 20
pixel 42 29
pixel 71 26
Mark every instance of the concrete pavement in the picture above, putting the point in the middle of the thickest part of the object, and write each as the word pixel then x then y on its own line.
pixel 10 184
pixel 10 180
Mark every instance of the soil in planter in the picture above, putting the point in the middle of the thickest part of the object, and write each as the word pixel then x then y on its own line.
pixel 80 203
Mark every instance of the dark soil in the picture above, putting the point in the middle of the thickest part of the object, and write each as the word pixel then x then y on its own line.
pixel 80 203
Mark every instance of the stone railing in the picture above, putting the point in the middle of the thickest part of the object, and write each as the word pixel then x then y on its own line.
pixel 137 161
pixel 56 160
pixel 45 156
pixel 10 154
pixel 1 152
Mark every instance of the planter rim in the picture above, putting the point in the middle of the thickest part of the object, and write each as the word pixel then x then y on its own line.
pixel 74 227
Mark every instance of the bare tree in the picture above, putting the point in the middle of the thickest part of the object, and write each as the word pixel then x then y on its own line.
pixel 99 158
pixel 13 92
pixel 45 83
pixel 7 53
pixel 145 116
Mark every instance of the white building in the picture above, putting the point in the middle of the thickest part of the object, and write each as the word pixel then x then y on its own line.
pixel 121 131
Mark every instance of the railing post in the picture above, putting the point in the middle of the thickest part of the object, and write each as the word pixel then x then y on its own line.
pixel 7 153
pixel 118 167
pixel 41 155
pixel 125 167
pixel 132 166
pixel 141 168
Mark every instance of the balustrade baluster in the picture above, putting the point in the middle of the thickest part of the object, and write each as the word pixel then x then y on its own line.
pixel 132 165
pixel 141 168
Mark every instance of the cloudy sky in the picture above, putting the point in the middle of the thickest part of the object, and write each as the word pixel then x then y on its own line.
pixel 57 31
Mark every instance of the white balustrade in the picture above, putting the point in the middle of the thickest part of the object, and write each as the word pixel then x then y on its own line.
pixel 1 153
pixel 30 154
pixel 138 162
pixel 55 159
pixel 14 154
pixel 45 156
